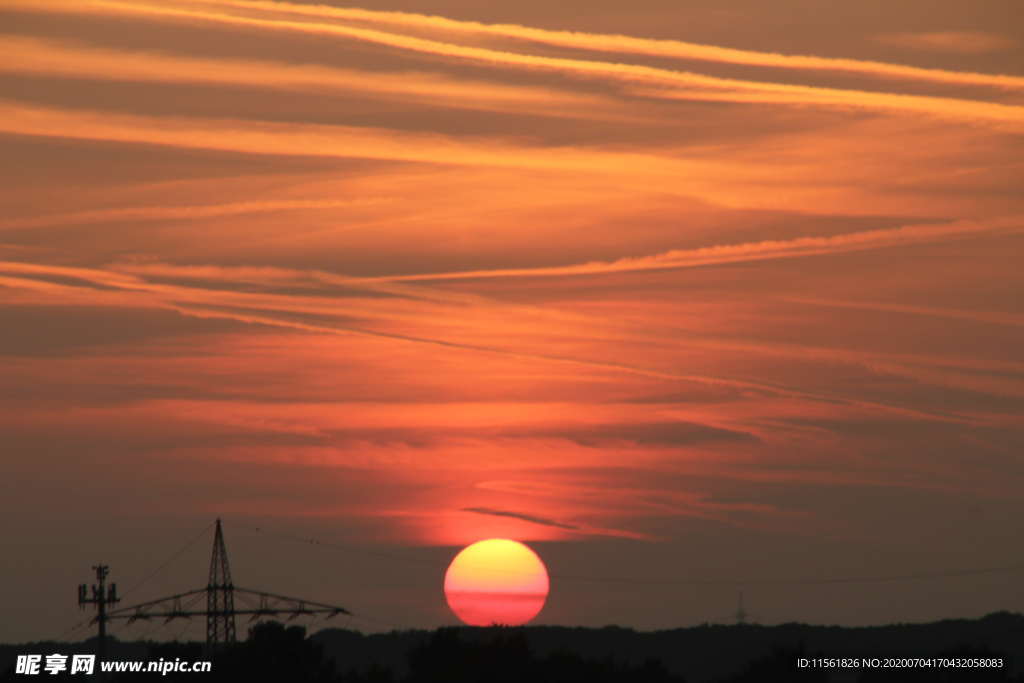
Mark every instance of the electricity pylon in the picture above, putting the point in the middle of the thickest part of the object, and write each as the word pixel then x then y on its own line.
pixel 220 595
pixel 741 614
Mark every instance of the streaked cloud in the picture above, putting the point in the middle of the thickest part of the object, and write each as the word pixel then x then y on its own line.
pixel 158 213
pixel 317 140
pixel 956 40
pixel 804 246
pixel 962 42
pixel 526 518
pixel 655 80
pixel 53 58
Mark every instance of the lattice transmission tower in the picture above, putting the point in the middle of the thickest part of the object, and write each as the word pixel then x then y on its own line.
pixel 220 595
pixel 220 610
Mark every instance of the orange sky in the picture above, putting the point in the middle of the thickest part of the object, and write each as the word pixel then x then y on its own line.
pixel 672 290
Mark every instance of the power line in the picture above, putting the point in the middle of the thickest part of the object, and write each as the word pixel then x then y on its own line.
pixel 314 541
pixel 806 580
pixel 142 581
pixel 194 600
pixel 168 561
pixel 71 629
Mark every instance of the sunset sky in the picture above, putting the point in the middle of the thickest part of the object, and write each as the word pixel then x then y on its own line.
pixel 692 296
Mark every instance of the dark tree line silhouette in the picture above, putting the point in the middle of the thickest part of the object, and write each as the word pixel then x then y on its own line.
pixel 544 654
pixel 275 652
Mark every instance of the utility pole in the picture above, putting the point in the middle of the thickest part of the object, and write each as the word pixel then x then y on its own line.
pixel 102 595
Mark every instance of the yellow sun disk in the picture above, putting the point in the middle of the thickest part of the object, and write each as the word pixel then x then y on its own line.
pixel 496 581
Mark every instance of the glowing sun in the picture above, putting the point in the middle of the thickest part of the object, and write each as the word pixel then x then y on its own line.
pixel 496 581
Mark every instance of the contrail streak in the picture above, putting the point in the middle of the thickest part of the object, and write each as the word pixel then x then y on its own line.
pixel 56 58
pixel 629 44
pixel 779 93
pixel 160 213
pixel 750 251
pixel 243 307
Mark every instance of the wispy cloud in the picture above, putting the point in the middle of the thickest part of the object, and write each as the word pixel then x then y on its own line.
pixel 957 42
pixel 62 58
pixel 162 213
pixel 318 140
pixel 752 251
pixel 992 317
pixel 519 515
pixel 352 317
pixel 656 81
pixel 666 48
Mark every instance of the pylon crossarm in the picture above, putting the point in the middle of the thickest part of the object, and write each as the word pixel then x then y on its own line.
pixel 278 612
pixel 139 614
pixel 301 605
pixel 145 610
pixel 175 614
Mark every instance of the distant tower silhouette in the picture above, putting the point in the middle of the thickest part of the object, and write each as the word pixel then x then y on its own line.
pixel 220 596
pixel 102 596
pixel 741 614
